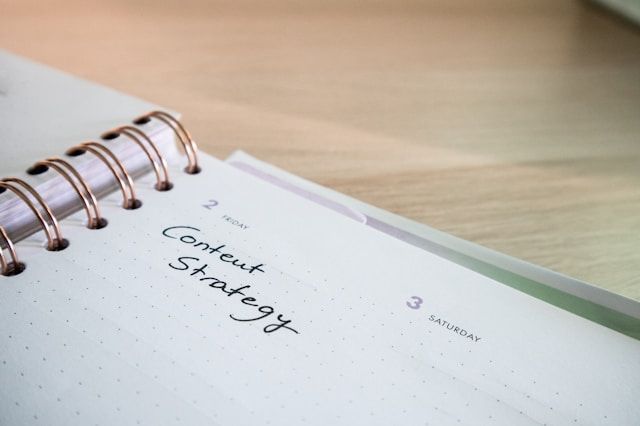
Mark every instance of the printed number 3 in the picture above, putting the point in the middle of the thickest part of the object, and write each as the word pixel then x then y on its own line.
pixel 210 204
pixel 416 302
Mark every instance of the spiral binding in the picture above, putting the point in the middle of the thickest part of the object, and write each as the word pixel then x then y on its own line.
pixel 11 265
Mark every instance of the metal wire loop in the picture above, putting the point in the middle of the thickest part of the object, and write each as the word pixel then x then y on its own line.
pixel 49 224
pixel 80 186
pixel 125 182
pixel 158 162
pixel 183 135
pixel 13 266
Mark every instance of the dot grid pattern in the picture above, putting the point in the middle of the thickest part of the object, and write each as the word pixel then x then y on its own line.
pixel 106 333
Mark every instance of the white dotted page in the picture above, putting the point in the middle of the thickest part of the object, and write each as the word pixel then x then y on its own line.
pixel 229 301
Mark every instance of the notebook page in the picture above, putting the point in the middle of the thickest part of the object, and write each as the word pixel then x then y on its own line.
pixel 230 301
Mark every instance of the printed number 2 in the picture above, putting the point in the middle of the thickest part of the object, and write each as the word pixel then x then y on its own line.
pixel 416 302
pixel 210 204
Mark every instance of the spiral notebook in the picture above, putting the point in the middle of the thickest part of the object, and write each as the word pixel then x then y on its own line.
pixel 218 298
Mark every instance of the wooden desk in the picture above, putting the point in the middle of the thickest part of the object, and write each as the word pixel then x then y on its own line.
pixel 515 124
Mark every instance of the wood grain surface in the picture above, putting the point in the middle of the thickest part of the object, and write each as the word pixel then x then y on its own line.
pixel 514 124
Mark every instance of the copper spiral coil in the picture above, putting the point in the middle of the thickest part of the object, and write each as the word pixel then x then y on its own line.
pixel 50 227
pixel 14 266
pixel 10 265
pixel 159 165
pixel 80 186
pixel 119 171
pixel 183 135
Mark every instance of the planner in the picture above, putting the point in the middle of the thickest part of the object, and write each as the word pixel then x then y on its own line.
pixel 214 296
